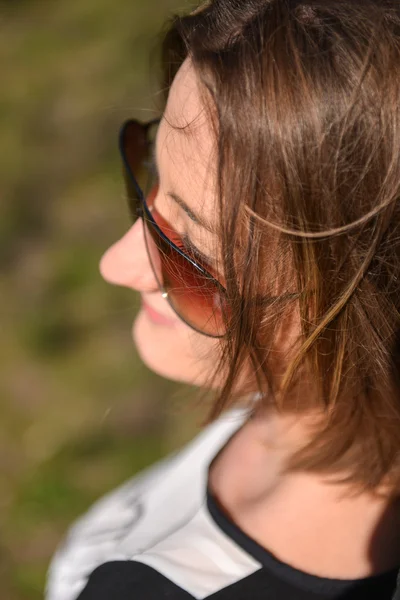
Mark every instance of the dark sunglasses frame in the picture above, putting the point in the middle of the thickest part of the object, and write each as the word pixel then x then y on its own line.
pixel 142 211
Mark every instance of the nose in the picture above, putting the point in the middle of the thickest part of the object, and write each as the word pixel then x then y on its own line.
pixel 127 261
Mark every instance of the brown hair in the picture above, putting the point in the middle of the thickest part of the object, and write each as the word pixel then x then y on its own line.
pixel 306 109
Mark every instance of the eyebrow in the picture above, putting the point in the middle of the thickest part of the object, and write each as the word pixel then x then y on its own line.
pixel 195 218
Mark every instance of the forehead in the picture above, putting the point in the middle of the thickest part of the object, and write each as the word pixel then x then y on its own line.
pixel 186 144
pixel 184 102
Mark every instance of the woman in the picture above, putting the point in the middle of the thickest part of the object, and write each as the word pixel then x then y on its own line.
pixel 266 211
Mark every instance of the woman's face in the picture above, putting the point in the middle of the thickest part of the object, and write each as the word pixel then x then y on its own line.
pixel 186 164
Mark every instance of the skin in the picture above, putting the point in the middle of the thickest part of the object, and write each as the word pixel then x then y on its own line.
pixel 303 519
pixel 185 164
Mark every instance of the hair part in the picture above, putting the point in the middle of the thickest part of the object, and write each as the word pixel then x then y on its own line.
pixel 304 100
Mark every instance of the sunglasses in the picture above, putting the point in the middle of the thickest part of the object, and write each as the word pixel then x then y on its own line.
pixel 191 288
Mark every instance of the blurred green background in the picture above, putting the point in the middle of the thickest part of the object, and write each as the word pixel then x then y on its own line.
pixel 79 413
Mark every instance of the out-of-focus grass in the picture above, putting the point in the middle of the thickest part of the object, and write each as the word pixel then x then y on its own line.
pixel 79 414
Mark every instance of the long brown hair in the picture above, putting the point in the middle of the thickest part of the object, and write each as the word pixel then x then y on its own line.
pixel 305 102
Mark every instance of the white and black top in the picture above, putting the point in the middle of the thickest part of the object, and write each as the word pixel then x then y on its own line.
pixel 162 536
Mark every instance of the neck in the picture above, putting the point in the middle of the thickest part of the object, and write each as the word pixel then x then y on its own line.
pixel 304 519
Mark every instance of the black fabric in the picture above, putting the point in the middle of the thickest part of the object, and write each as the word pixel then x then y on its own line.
pixel 264 585
pixel 283 581
pixel 130 580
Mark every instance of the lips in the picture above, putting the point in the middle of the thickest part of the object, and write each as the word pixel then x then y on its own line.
pixel 155 316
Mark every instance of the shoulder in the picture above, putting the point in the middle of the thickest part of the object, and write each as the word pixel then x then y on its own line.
pixel 120 580
pixel 130 521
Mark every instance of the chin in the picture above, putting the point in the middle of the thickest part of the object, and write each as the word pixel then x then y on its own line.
pixel 165 350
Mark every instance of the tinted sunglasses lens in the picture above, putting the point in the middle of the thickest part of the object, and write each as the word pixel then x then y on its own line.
pixel 137 143
pixel 195 297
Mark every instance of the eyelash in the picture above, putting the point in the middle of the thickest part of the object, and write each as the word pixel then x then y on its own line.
pixel 183 242
pixel 188 247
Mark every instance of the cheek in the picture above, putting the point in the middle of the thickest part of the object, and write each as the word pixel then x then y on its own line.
pixel 180 355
